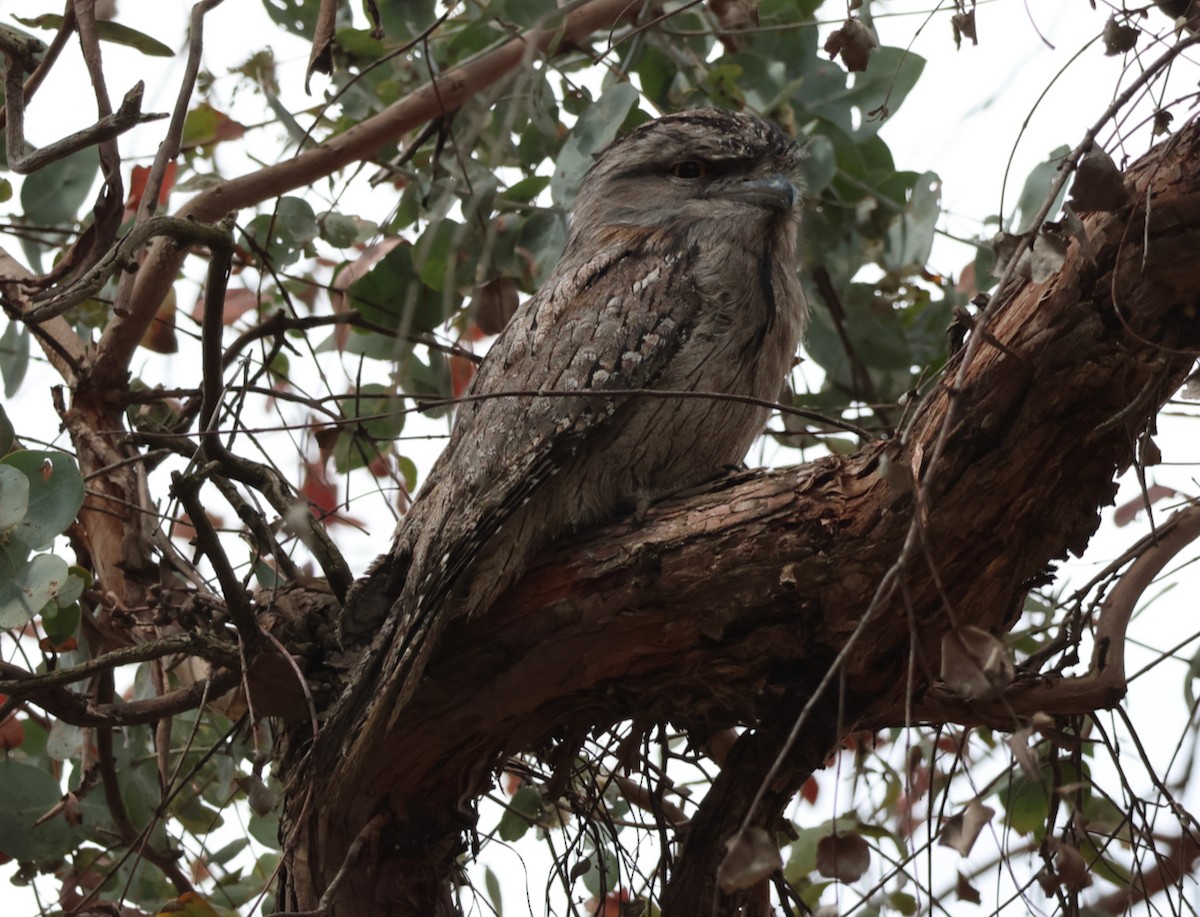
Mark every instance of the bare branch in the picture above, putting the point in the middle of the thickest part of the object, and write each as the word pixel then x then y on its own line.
pixel 122 257
pixel 128 115
pixel 58 339
pixel 20 683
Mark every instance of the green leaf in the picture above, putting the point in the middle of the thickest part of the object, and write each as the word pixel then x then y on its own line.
pixel 408 471
pixel 375 418
pixel 1033 193
pixel 31 589
pixel 5 190
pixel 526 189
pixel 194 815
pixel 14 497
pixel 819 165
pixel 1026 802
pixel 604 872
pixel 437 251
pixel 521 812
pixel 14 359
pixel 55 495
pixel 63 622
pixel 265 828
pixel 72 591
pixel 910 238
pixel 337 229
pixel 802 856
pixel 526 13
pixel 492 885
pixel 721 84
pixel 543 234
pixel 359 44
pixel 392 295
pixel 7 436
pixel 52 195
pixel 881 88
pixel 27 793
pixel 107 30
pixel 595 129
pixel 297 16
pixel 656 71
pixel 295 220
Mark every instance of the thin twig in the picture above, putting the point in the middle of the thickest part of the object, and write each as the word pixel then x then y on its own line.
pixel 122 256
pixel 21 683
pixel 169 148
pixel 47 59
pixel 104 130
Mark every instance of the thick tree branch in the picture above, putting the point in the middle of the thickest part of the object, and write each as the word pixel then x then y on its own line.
pixel 730 607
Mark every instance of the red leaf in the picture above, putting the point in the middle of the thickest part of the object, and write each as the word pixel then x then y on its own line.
pixel 12 733
pixel 350 273
pixel 237 304
pixel 844 857
pixel 1127 512
pixel 462 371
pixel 318 490
pixel 322 497
pixel 160 333
pixel 809 791
pixel 137 186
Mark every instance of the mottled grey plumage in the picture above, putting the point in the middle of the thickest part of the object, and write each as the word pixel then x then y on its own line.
pixel 679 274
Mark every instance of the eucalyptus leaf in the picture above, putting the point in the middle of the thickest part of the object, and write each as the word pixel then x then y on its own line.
pixel 52 195
pixel 27 794
pixel 7 435
pixel 1036 188
pixel 595 129
pixel 14 498
pixel 14 359
pixel 55 495
pixel 31 589
pixel 107 30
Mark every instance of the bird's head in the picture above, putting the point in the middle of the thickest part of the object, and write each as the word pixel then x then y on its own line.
pixel 701 165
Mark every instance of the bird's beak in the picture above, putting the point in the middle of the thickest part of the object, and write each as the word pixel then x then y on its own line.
pixel 771 192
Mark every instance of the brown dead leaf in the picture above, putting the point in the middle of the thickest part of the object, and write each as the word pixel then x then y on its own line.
pixel 1018 744
pixel 494 303
pixel 964 25
pixel 844 857
pixel 975 664
pixel 1127 512
pixel 733 16
pixel 962 830
pixel 1099 186
pixel 160 333
pixel 320 58
pixel 750 856
pixel 966 891
pixel 1118 38
pixel 854 42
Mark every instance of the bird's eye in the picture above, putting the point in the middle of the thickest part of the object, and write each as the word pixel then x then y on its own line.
pixel 689 168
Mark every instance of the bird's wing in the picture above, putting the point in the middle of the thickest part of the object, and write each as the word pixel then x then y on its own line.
pixel 610 324
pixel 613 325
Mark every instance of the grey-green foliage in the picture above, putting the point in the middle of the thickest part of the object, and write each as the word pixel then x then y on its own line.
pixel 40 493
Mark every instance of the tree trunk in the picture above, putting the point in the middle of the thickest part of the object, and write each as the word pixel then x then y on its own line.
pixel 732 606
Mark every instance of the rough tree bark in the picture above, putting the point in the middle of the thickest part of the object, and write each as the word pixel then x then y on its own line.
pixel 731 606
